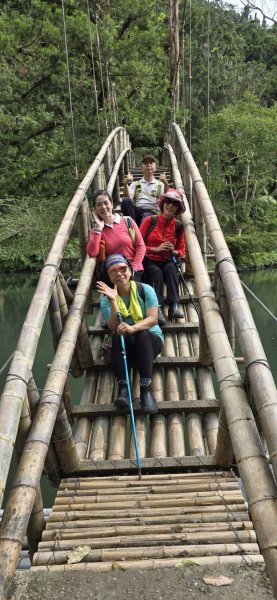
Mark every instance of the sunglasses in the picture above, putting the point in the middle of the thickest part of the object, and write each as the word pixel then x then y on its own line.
pixel 173 202
pixel 115 270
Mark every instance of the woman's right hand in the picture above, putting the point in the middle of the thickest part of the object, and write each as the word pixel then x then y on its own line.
pixel 163 247
pixel 103 288
pixel 96 219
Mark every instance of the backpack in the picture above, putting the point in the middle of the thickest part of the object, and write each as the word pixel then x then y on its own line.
pixel 155 194
pixel 154 218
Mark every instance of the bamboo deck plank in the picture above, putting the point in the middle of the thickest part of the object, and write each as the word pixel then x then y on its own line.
pixel 158 520
pixel 169 327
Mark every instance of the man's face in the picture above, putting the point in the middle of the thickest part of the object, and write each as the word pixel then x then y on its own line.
pixel 148 168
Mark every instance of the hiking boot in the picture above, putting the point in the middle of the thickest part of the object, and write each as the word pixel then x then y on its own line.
pixel 148 402
pixel 122 399
pixel 161 317
pixel 174 312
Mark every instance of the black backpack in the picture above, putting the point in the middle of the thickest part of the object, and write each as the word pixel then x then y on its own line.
pixel 154 218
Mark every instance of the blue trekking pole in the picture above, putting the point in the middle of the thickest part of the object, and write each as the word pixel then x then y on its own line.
pixel 177 265
pixel 119 320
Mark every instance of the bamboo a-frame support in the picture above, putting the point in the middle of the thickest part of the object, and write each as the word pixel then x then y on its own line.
pixel 255 472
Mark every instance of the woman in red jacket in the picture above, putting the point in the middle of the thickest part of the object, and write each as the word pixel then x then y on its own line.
pixel 164 238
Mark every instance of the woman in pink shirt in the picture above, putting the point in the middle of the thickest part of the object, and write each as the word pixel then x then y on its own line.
pixel 113 230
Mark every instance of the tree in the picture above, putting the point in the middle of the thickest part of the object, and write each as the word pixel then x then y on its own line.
pixel 242 161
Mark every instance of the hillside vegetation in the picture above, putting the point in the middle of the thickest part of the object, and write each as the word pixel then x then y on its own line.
pixel 118 56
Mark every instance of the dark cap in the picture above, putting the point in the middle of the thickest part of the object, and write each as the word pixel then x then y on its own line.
pixel 148 157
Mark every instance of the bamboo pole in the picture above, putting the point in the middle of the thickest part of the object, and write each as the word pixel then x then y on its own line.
pixel 83 348
pixel 100 434
pixel 84 424
pixel 206 390
pixel 59 557
pixel 27 477
pixel 261 379
pixel 150 564
pixel 36 522
pixel 176 443
pixel 15 388
pixel 226 313
pixel 242 428
pixel 83 227
pixel 158 446
pixel 121 530
pixel 140 421
pixel 75 367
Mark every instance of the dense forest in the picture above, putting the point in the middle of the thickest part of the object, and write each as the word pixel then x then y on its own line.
pixel 118 69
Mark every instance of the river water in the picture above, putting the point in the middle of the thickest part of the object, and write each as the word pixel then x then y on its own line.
pixel 17 290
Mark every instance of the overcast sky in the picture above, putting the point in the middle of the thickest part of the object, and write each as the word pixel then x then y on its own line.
pixel 269 7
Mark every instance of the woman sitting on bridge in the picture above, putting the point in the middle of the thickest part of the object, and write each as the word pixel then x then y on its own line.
pixel 137 306
pixel 114 233
pixel 164 238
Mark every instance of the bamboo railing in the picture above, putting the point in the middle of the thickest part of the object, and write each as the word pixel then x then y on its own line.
pixel 242 435
pixel 258 371
pixel 21 366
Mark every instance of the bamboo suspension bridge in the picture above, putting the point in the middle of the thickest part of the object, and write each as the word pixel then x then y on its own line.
pixel 188 502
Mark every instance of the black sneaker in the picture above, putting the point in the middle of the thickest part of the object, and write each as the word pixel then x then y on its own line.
pixel 148 402
pixel 122 399
pixel 174 312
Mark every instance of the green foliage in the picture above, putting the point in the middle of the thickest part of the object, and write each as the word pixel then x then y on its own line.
pixel 254 250
pixel 37 161
pixel 242 164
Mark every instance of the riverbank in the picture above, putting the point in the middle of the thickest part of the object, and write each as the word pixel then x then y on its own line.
pixel 160 584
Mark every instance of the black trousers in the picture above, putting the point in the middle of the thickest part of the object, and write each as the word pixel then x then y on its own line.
pixel 156 273
pixel 129 209
pixel 140 353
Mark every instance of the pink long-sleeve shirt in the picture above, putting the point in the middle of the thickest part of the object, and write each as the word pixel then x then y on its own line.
pixel 118 240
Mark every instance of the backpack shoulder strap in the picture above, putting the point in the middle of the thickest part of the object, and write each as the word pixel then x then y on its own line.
pixel 140 289
pixel 178 228
pixel 137 190
pixel 152 224
pixel 131 231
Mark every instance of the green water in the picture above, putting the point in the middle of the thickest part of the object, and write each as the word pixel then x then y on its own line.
pixel 16 292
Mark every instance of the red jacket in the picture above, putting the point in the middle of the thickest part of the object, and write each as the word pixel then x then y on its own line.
pixel 163 231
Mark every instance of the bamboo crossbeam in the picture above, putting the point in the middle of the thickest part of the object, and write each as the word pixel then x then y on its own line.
pixel 160 478
pixel 121 530
pixel 167 328
pixel 155 491
pixel 246 559
pixel 161 361
pixel 153 464
pixel 184 299
pixel 109 410
pixel 176 518
pixel 145 499
pixel 213 537
pixel 22 363
pixel 59 557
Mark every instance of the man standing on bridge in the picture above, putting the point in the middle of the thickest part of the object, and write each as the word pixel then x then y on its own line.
pixel 141 197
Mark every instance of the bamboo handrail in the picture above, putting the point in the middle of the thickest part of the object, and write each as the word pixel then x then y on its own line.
pixel 260 376
pixel 28 474
pixel 246 442
pixel 21 366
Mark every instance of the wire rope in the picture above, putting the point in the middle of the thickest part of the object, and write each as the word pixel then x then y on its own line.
pixel 190 74
pixel 101 72
pixel 207 162
pixel 93 73
pixel 69 93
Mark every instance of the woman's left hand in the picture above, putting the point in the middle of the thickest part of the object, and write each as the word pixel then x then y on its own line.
pixel 124 328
